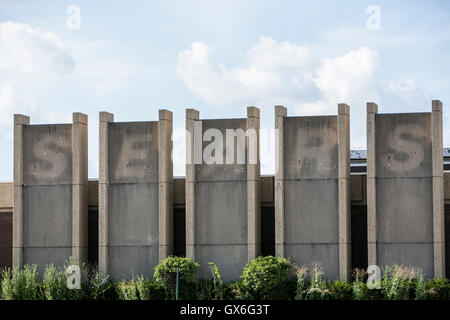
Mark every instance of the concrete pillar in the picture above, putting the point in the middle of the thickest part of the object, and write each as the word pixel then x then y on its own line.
pixel 280 114
pixel 19 121
pixel 253 186
pixel 372 110
pixel 191 116
pixel 104 119
pixel 345 265
pixel 165 197
pixel 438 190
pixel 80 186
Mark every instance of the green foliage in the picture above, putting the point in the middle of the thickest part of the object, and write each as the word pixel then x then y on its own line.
pixel 399 282
pixel 217 282
pixel 165 275
pixel 359 287
pixel 266 277
pixel 149 290
pixel 318 289
pixel 100 287
pixel 126 290
pixel 421 289
pixel 20 284
pixel 262 278
pixel 54 286
pixel 438 289
pixel 341 290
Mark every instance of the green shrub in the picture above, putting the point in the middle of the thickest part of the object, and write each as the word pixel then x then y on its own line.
pixel 438 289
pixel 359 287
pixel 126 290
pixel 54 286
pixel 20 284
pixel 100 287
pixel 318 289
pixel 421 289
pixel 165 275
pixel 149 290
pixel 302 284
pixel 266 277
pixel 399 282
pixel 341 290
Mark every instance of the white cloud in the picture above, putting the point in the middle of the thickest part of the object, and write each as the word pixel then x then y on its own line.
pixel 28 57
pixel 274 70
pixel 30 50
pixel 288 74
pixel 10 104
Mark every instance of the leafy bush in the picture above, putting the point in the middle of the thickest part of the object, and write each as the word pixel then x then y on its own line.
pixel 54 286
pixel 438 289
pixel 399 282
pixel 341 290
pixel 126 290
pixel 359 287
pixel 318 289
pixel 149 290
pixel 100 287
pixel 165 275
pixel 20 284
pixel 266 277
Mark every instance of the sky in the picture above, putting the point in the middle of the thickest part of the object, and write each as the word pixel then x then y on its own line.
pixel 135 57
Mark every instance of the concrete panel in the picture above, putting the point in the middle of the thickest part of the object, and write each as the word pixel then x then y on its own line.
pixel 311 227
pixel 409 254
pixel 310 145
pixel 47 194
pixel 230 259
pixel 220 211
pixel 404 191
pixel 132 199
pixel 133 218
pixel 311 212
pixel 403 145
pixel 133 152
pixel 43 256
pixel 47 154
pixel 129 261
pixel 47 223
pixel 221 201
pixel 408 220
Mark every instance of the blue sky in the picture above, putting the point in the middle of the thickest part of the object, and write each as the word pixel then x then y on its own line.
pixel 132 58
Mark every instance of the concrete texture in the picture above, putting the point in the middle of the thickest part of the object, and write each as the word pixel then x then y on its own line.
pixel 132 198
pixel 50 215
pixel 135 195
pixel 400 215
pixel 222 200
pixel 312 183
pixel 438 189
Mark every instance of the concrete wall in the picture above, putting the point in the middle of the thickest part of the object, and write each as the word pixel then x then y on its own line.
pixel 403 218
pixel 50 192
pixel 135 195
pixel 222 202
pixel 308 218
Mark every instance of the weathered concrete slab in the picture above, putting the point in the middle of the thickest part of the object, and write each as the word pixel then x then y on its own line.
pixel 311 192
pixel 135 195
pixel 223 199
pixel 47 194
pixel 312 197
pixel 404 190
pixel 133 199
